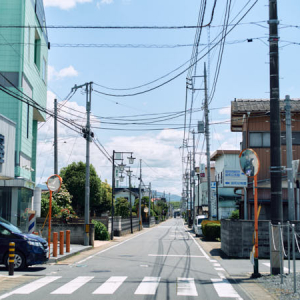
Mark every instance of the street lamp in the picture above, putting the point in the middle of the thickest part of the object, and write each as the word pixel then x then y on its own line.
pixel 121 168
pixel 121 177
pixel 129 175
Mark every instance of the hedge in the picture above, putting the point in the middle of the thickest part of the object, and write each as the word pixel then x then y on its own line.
pixel 101 232
pixel 211 230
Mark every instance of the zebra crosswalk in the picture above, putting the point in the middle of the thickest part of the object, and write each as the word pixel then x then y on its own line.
pixel 147 286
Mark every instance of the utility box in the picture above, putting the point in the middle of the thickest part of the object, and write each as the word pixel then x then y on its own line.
pixel 200 127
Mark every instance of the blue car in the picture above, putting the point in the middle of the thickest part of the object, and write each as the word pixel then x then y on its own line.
pixel 30 249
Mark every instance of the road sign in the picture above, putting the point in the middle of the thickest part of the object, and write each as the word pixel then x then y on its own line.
pixel 249 162
pixel 54 183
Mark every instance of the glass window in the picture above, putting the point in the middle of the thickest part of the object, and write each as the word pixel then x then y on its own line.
pixel 37 50
pixel 266 139
pixel 256 139
pixel 44 68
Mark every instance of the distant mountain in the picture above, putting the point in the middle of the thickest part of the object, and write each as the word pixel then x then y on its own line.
pixel 174 198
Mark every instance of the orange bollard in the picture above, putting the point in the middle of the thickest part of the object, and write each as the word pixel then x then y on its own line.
pixel 55 238
pixel 68 240
pixel 61 242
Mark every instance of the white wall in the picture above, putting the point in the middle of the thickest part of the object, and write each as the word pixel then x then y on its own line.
pixel 8 130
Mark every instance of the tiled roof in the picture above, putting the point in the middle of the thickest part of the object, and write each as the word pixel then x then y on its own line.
pixel 240 107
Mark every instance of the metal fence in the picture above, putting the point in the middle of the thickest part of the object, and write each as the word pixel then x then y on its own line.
pixel 285 252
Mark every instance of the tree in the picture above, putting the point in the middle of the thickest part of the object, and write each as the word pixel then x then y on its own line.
pixel 61 204
pixel 122 207
pixel 74 178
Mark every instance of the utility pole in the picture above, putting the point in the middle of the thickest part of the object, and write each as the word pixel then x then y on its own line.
pixel 194 182
pixel 87 135
pixel 149 212
pixel 275 155
pixel 207 145
pixel 169 206
pixel 289 158
pixel 275 139
pixel 129 172
pixel 191 190
pixel 140 197
pixel 55 138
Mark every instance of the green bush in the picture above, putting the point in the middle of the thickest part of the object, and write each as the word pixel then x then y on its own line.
pixel 211 230
pixel 101 232
pixel 235 215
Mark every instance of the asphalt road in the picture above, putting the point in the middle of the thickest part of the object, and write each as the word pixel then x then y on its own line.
pixel 161 263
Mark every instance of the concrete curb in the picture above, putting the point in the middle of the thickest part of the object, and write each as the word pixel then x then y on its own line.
pixel 67 255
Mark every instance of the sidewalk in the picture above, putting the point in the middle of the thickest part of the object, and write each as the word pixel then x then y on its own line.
pixel 249 285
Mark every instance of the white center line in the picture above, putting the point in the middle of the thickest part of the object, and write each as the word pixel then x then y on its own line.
pixel 73 285
pixel 225 289
pixel 148 286
pixel 186 287
pixel 35 285
pixel 110 285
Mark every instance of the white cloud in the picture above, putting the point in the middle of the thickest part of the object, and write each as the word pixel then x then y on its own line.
pixel 225 111
pixel 106 1
pixel 64 4
pixel 103 2
pixel 61 74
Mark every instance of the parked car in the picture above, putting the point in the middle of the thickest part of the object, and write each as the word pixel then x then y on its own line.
pixel 197 224
pixel 30 249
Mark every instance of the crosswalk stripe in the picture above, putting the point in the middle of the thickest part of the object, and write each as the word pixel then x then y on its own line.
pixel 186 287
pixel 225 289
pixel 35 285
pixel 73 285
pixel 110 285
pixel 148 286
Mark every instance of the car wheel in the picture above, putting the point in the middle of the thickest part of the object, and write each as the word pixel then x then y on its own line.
pixel 19 261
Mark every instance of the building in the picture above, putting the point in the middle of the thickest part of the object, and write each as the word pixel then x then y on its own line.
pixel 251 117
pixel 23 69
pixel 229 181
pixel 201 192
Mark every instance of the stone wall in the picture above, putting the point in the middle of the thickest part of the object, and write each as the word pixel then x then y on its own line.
pixel 237 238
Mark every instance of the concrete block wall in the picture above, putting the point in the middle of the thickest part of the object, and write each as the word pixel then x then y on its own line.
pixel 237 238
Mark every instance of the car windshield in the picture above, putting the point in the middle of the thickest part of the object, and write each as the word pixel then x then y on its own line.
pixel 9 226
pixel 200 221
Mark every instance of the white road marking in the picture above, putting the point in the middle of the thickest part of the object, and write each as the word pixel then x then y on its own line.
pixel 73 285
pixel 217 265
pixel 221 275
pixel 148 286
pixel 114 246
pixel 285 270
pixel 176 255
pixel 110 285
pixel 186 287
pixel 225 289
pixel 213 260
pixel 200 248
pixel 219 269
pixel 35 285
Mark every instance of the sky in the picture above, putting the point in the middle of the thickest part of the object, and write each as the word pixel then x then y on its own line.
pixel 119 60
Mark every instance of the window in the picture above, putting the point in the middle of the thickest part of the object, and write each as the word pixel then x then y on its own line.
pixel 37 50
pixel 259 139
pixel 29 40
pixel 44 69
pixel 295 138
pixel 28 91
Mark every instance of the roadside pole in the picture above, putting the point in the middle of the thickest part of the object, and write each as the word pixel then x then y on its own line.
pixel 140 197
pixel 207 145
pixel 289 158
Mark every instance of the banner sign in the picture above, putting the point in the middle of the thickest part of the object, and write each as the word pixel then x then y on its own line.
pixel 234 178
